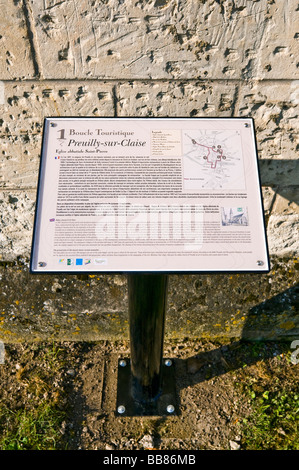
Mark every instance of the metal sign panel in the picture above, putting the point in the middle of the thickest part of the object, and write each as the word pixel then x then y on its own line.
pixel 174 195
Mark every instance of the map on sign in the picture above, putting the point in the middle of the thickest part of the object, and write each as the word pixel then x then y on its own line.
pixel 212 160
pixel 149 195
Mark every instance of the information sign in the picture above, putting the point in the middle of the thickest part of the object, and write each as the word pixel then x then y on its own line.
pixel 149 195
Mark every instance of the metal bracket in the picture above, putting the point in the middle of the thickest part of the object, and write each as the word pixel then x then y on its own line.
pixel 163 405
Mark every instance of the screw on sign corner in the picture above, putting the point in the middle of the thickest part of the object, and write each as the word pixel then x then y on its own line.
pixel 170 409
pixel 121 409
pixel 168 362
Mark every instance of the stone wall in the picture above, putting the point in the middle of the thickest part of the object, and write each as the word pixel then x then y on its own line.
pixel 149 58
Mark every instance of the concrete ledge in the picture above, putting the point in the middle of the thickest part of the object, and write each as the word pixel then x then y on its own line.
pixel 94 307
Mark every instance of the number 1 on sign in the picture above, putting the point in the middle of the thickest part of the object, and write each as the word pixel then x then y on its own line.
pixel 61 131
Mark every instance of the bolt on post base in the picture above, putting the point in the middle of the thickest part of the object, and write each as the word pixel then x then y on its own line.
pixel 164 404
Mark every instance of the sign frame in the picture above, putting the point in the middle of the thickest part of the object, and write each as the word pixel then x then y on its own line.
pixel 246 121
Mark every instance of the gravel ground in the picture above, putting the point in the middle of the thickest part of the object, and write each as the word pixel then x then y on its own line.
pixel 81 378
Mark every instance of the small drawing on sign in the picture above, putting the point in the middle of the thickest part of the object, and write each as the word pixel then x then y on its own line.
pixel 236 216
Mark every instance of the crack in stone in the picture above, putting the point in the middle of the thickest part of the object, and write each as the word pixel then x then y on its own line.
pixel 37 64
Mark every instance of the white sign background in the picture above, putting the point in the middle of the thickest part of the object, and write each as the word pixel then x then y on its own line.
pixel 149 195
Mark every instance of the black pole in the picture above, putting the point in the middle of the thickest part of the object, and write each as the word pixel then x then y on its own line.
pixel 147 306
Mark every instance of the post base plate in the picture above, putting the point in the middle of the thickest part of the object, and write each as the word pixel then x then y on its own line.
pixel 163 405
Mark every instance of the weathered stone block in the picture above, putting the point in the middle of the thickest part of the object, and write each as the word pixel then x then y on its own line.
pixel 283 233
pixel 163 39
pixel 275 109
pixel 19 160
pixel 28 103
pixel 22 114
pixel 283 226
pixel 177 99
pixel 16 223
pixel 278 55
pixel 287 202
pixel 15 51
pixel 268 195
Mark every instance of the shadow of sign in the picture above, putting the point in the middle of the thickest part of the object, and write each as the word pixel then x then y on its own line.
pixel 213 363
pixel 279 173
pixel 281 311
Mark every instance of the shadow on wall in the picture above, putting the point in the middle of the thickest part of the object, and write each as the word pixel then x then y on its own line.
pixel 283 177
pixel 281 311
pixel 280 173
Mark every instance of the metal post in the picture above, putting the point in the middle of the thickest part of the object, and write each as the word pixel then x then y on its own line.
pixel 146 383
pixel 147 306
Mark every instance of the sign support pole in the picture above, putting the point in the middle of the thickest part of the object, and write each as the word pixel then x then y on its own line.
pixel 146 383
pixel 147 305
